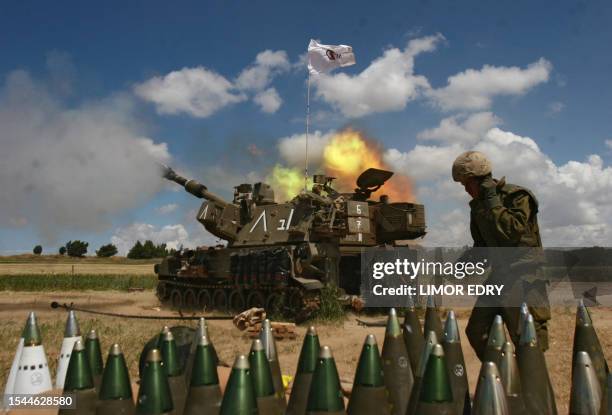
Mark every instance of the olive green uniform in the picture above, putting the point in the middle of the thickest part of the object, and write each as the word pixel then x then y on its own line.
pixel 512 224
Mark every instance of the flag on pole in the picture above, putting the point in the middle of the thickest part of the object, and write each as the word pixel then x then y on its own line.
pixel 324 58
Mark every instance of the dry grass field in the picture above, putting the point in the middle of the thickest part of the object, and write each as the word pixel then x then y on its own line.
pixel 56 264
pixel 345 338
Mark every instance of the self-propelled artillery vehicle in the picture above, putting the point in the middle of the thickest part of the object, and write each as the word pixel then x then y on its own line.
pixel 280 255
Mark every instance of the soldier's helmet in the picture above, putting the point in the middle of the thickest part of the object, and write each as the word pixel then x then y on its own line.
pixel 470 164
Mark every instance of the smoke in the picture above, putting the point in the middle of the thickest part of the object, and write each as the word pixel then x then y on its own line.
pixel 67 167
pixel 287 182
pixel 344 155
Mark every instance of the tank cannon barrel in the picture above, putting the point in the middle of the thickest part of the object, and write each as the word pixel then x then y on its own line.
pixel 192 186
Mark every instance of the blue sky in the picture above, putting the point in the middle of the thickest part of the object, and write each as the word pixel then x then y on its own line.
pixel 95 67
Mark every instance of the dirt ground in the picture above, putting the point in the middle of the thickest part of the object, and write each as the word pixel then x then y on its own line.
pixel 345 338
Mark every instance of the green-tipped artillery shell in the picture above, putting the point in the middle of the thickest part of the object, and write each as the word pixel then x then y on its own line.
pixel 495 341
pixel 303 377
pixel 436 395
pixel 456 364
pixel 585 396
pixel 369 394
pixel 78 375
pixel 586 340
pixel 511 381
pixel 325 396
pixel 204 396
pixel 538 394
pixel 490 398
pixel 267 403
pixel 260 370
pixel 79 382
pixel 94 356
pixel 398 378
pixel 239 397
pixel 176 380
pixel 413 336
pixel 170 355
pixel 430 341
pixel 115 392
pixel 200 331
pixel 154 396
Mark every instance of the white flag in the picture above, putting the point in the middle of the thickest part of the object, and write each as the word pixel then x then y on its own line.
pixel 324 58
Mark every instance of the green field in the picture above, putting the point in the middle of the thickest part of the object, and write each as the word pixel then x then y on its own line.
pixel 55 272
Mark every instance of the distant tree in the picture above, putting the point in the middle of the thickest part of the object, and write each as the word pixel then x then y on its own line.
pixel 147 250
pixel 107 250
pixel 37 250
pixel 62 250
pixel 161 251
pixel 76 248
pixel 136 252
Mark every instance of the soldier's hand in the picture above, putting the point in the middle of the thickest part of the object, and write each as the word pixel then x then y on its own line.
pixel 488 192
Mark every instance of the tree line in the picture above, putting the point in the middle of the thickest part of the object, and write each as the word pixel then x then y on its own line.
pixel 139 250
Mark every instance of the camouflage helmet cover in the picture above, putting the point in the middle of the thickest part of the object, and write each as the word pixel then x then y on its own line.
pixel 470 164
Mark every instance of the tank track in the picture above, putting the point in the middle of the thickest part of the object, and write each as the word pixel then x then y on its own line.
pixel 290 301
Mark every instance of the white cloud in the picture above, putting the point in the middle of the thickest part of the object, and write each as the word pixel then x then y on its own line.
pixel 583 235
pixel 609 144
pixel 201 92
pixel 474 89
pixel 463 129
pixel 293 148
pixel 198 91
pixel 165 209
pixel 451 228
pixel 556 107
pixel 575 197
pixel 387 84
pixel 577 193
pixel 258 75
pixel 173 236
pixel 71 167
pixel 423 162
pixel 269 101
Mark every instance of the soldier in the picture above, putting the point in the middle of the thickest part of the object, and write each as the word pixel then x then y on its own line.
pixel 504 215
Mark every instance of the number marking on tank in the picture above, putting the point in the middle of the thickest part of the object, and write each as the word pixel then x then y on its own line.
pixel 284 224
pixel 204 212
pixel 265 222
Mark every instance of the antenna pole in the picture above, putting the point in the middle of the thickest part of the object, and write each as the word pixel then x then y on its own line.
pixel 307 133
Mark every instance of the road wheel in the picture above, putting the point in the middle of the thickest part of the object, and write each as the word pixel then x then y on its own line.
pixel 219 299
pixel 189 299
pixel 236 301
pixel 162 291
pixel 273 303
pixel 176 299
pixel 256 299
pixel 294 301
pixel 204 300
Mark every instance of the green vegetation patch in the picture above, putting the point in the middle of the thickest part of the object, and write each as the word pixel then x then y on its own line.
pixel 42 282
pixel 331 309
